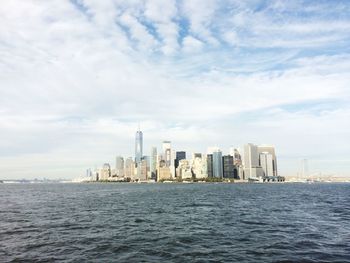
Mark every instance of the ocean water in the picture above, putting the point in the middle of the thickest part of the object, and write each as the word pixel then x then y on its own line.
pixel 174 222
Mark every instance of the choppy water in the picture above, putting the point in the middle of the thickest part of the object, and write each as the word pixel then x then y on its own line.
pixel 175 222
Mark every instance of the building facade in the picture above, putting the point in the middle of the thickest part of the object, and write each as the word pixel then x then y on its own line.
pixel 119 166
pixel 217 164
pixel 138 147
pixel 153 163
pixel 228 166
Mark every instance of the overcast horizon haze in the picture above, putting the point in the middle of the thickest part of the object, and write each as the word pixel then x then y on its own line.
pixel 77 77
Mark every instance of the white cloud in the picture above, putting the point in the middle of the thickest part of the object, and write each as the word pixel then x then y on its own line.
pixel 163 15
pixel 138 32
pixel 76 79
pixel 200 15
pixel 191 44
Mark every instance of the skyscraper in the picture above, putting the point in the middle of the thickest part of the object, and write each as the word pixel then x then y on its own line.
pixel 119 166
pixel 129 168
pixel 167 153
pixel 105 172
pixel 210 165
pixel 153 162
pixel 138 146
pixel 199 167
pixel 179 156
pixel 252 168
pixel 266 162
pixel 228 167
pixel 271 150
pixel 217 164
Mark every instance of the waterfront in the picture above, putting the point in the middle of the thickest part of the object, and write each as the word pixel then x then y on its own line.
pixel 174 222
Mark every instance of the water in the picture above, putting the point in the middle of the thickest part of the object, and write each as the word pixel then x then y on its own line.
pixel 175 222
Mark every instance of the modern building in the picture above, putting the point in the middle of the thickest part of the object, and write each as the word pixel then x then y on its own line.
pixel 237 158
pixel 271 150
pixel 184 169
pixel 228 166
pixel 138 147
pixel 119 166
pixel 105 172
pixel 217 164
pixel 266 163
pixel 167 153
pixel 210 165
pixel 163 171
pixel 252 168
pixel 179 156
pixel 153 163
pixel 199 168
pixel 129 168
pixel 143 170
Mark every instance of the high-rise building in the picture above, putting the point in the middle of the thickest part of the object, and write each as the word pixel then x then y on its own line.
pixel 167 153
pixel 252 168
pixel 266 162
pixel 138 147
pixel 179 156
pixel 228 167
pixel 119 166
pixel 129 168
pixel 105 172
pixel 210 165
pixel 184 169
pixel 143 170
pixel 163 171
pixel 153 163
pixel 199 167
pixel 217 164
pixel 250 156
pixel 271 150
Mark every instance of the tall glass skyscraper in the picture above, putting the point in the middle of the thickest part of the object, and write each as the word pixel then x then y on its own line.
pixel 217 164
pixel 138 146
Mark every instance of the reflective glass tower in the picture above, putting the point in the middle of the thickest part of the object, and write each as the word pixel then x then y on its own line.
pixel 138 146
pixel 217 164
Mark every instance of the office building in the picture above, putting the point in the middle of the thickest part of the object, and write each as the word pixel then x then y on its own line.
pixel 228 167
pixel 252 168
pixel 138 147
pixel 271 150
pixel 143 170
pixel 266 162
pixel 167 153
pixel 163 171
pixel 184 170
pixel 119 166
pixel 210 165
pixel 105 172
pixel 129 168
pixel 217 164
pixel 179 156
pixel 199 168
pixel 153 163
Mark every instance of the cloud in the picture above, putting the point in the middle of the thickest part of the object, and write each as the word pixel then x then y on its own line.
pixel 191 44
pixel 76 77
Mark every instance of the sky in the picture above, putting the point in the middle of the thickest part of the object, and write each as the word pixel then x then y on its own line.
pixel 77 77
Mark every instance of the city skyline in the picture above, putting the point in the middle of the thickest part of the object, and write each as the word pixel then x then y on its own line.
pixel 77 78
pixel 251 163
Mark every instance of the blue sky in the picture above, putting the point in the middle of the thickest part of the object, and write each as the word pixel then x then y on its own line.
pixel 76 78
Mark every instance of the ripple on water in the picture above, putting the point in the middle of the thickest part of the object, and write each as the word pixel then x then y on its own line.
pixel 175 223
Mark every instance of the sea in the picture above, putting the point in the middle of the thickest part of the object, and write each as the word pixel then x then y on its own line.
pixel 200 222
